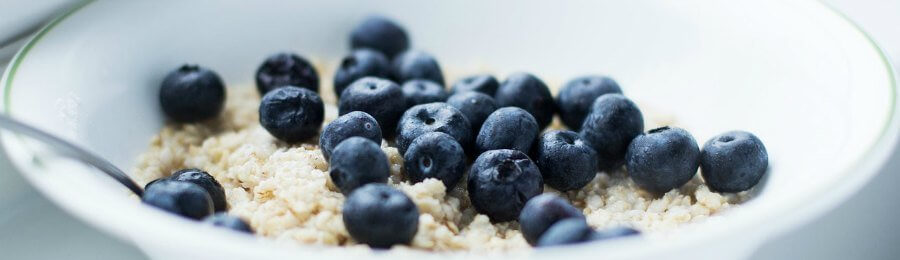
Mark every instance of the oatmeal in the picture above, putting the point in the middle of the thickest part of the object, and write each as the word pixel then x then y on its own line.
pixel 285 193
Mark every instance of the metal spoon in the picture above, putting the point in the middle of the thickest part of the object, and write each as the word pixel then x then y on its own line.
pixel 68 149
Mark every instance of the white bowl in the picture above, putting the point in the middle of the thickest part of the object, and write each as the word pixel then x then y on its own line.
pixel 808 82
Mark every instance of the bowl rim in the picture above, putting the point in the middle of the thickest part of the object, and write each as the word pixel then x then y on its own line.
pixel 839 191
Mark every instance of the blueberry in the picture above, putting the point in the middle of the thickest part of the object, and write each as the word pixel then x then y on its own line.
pixel 360 63
pixel 356 123
pixel 182 198
pixel 381 34
pixel 507 128
pixel 566 231
pixel 422 91
pixel 147 186
pixel 380 216
pixel 475 106
pixel 526 91
pixel 615 232
pixel 291 114
pixel 358 161
pixel 380 98
pixel 207 182
pixel 228 221
pixel 662 159
pixel 192 94
pixel 286 69
pixel 415 64
pixel 610 126
pixel 577 96
pixel 733 162
pixel 500 182
pixel 432 117
pixel 483 83
pixel 543 211
pixel 566 161
pixel 435 155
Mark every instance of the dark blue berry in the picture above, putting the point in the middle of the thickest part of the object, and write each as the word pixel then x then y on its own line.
pixel 483 83
pixel 526 91
pixel 381 34
pixel 192 94
pixel 182 198
pixel 286 69
pixel 615 232
pixel 733 162
pixel 228 221
pixel 500 182
pixel 207 182
pixel 566 161
pixel 356 123
pixel 543 211
pixel 358 161
pixel 577 96
pixel 435 155
pixel 147 186
pixel 415 64
pixel 360 63
pixel 507 128
pixel 565 232
pixel 475 106
pixel 610 126
pixel 432 117
pixel 291 114
pixel 380 98
pixel 421 91
pixel 662 159
pixel 380 216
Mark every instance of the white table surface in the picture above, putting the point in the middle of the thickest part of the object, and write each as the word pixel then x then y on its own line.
pixel 864 227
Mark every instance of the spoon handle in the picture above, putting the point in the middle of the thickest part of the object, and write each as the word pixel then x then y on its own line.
pixel 71 150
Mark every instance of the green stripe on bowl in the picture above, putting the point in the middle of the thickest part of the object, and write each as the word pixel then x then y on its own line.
pixel 17 60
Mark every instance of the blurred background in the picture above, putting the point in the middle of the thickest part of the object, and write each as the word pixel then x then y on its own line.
pixel 31 227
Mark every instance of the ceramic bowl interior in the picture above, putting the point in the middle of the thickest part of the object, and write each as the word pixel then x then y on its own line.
pixel 811 85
